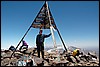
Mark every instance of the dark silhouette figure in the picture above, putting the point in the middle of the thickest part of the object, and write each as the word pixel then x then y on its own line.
pixel 40 42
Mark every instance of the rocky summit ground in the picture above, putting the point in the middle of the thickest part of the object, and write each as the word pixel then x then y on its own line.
pixel 53 58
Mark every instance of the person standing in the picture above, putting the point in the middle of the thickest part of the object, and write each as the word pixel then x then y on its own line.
pixel 40 42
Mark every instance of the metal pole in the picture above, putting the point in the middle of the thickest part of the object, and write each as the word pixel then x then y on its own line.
pixel 61 39
pixel 51 27
pixel 58 32
pixel 60 36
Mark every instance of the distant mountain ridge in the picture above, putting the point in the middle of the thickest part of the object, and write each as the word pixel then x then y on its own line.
pixel 71 48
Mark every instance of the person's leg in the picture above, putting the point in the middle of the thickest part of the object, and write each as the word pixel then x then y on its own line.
pixel 38 50
pixel 42 50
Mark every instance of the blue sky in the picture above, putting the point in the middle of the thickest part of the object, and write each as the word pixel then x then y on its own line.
pixel 77 21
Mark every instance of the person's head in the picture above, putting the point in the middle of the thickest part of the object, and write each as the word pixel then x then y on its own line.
pixel 40 32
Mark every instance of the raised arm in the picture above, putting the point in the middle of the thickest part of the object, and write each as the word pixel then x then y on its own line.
pixel 45 36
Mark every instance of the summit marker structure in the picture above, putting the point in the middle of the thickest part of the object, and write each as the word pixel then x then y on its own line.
pixel 44 20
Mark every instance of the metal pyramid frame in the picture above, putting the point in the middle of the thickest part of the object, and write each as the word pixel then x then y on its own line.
pixel 43 20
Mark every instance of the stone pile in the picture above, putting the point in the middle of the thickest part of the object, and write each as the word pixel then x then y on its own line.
pixel 51 59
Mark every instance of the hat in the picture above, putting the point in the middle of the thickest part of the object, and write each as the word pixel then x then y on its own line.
pixel 41 30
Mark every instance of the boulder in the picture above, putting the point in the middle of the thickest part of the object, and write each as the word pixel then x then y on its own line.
pixel 47 60
pixel 79 64
pixel 18 54
pixel 46 63
pixel 93 54
pixel 71 59
pixel 71 64
pixel 77 59
pixel 95 64
pixel 3 54
pixel 5 62
pixel 27 52
pixel 38 60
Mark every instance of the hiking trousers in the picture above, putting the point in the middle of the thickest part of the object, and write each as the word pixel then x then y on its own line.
pixel 40 48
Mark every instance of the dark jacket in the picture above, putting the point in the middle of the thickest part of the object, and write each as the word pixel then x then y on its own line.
pixel 40 38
